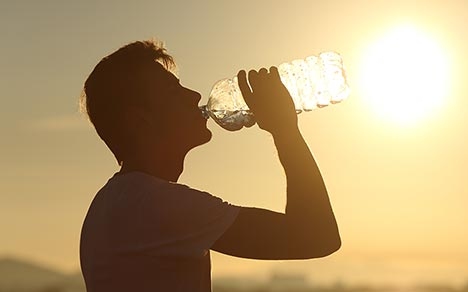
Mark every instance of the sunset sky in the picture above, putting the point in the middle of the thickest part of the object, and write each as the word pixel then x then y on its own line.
pixel 393 155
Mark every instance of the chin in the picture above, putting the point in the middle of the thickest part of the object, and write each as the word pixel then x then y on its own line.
pixel 203 138
pixel 206 137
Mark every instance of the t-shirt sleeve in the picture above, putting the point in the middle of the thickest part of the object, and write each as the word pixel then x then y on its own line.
pixel 180 221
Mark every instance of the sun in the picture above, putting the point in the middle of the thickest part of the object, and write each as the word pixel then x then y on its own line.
pixel 405 75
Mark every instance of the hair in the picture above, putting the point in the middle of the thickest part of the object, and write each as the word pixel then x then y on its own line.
pixel 116 82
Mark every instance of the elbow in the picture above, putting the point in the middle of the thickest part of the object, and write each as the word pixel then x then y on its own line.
pixel 334 242
pixel 323 248
pixel 333 246
pixel 321 242
pixel 327 251
pixel 331 241
pixel 329 247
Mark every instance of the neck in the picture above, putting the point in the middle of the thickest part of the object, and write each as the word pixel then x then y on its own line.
pixel 166 164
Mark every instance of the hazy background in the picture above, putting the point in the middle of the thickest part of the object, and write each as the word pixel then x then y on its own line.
pixel 399 192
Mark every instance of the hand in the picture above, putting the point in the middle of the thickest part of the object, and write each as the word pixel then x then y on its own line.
pixel 269 100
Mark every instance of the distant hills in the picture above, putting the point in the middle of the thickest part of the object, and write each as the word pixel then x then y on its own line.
pixel 18 275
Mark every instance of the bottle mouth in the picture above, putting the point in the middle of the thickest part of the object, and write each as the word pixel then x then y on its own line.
pixel 204 111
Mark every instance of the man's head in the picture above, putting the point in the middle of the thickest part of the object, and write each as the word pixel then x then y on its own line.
pixel 132 97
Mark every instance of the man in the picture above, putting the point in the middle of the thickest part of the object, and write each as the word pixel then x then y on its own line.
pixel 143 230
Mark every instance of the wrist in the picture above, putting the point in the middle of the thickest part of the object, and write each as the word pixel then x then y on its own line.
pixel 286 133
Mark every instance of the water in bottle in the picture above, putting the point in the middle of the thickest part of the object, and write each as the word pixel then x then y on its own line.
pixel 313 82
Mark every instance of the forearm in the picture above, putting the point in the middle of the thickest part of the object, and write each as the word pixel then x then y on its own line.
pixel 308 228
pixel 308 205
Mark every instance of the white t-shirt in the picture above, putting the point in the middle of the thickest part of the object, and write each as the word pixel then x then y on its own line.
pixel 142 233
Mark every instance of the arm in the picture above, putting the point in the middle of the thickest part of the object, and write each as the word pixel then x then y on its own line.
pixel 308 227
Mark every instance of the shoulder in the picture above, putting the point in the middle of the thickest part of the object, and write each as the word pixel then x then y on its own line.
pixel 153 189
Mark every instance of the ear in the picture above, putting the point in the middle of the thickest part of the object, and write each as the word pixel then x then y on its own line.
pixel 141 121
pixel 136 117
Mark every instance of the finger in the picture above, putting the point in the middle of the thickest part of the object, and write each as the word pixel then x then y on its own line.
pixel 274 71
pixel 253 79
pixel 242 81
pixel 274 74
pixel 263 75
pixel 244 87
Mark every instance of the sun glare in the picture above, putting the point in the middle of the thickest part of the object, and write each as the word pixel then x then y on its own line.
pixel 405 75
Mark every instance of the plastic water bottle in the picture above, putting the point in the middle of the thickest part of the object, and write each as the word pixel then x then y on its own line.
pixel 313 82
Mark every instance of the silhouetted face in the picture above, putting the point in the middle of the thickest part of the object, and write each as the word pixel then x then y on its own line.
pixel 173 110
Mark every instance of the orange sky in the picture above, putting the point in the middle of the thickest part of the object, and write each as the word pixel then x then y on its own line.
pixel 399 192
